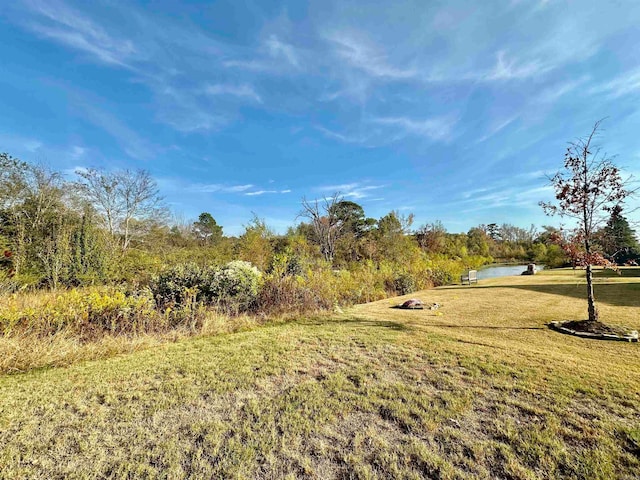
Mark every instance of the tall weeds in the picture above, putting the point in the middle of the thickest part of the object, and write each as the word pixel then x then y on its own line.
pixel 55 328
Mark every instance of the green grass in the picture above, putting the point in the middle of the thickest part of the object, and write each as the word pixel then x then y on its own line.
pixel 478 389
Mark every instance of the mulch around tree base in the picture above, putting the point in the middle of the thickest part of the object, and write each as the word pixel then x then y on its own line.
pixel 595 329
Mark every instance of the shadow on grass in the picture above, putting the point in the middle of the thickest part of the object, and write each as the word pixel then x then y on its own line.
pixel 489 327
pixel 618 294
pixel 403 327
pixel 623 272
pixel 360 322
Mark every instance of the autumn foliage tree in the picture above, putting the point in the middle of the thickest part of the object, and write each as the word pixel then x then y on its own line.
pixel 587 190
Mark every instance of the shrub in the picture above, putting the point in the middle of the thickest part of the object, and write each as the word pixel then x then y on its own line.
pixel 138 266
pixel 555 257
pixel 288 294
pixel 233 286
pixel 404 283
pixel 236 285
pixel 7 283
pixel 180 284
pixel 286 263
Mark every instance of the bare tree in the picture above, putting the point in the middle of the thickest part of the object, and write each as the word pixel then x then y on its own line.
pixel 587 190
pixel 30 196
pixel 101 190
pixel 121 197
pixel 432 237
pixel 325 222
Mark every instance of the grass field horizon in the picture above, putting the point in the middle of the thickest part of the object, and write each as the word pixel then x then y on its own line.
pixel 480 388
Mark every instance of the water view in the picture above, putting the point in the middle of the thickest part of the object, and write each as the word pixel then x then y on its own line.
pixel 495 271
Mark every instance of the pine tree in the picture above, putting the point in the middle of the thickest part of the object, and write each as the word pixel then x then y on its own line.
pixel 618 239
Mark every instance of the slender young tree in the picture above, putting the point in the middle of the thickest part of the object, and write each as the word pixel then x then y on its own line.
pixel 587 189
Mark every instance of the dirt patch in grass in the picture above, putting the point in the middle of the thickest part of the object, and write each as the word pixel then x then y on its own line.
pixel 595 330
pixel 596 327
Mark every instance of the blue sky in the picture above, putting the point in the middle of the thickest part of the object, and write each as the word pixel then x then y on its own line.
pixel 452 110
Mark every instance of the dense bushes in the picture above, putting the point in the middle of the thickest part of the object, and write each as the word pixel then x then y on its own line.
pixel 234 286
pixel 290 294
pixel 181 296
pixel 288 287
pixel 182 283
pixel 404 283
pixel 360 282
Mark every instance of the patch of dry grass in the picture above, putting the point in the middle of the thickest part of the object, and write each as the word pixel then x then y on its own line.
pixel 483 390
pixel 27 350
pixel 59 328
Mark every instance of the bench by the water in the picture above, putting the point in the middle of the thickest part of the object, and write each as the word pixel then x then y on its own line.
pixel 470 277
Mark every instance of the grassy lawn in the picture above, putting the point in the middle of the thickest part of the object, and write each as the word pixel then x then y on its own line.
pixel 478 389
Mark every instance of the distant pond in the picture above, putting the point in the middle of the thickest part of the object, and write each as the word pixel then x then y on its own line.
pixel 495 271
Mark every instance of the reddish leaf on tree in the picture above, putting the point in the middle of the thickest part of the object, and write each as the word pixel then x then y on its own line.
pixel 586 190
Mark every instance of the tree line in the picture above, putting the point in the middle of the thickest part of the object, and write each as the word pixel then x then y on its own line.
pixel 108 226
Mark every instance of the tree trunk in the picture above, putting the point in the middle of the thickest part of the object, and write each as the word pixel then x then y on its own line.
pixel 593 311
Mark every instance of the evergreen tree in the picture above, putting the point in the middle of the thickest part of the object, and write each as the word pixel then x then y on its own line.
pixel 618 239
pixel 207 230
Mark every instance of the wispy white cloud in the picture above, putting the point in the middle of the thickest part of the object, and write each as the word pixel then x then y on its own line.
pixel 193 121
pixel 523 178
pixel 436 55
pixel 129 140
pixel 17 143
pixel 377 131
pixel 511 69
pixel 363 55
pixel 61 23
pixel 625 84
pixel 437 128
pixel 355 89
pixel 355 190
pixel 243 91
pixel 183 110
pixel 263 192
pixel 274 56
pixel 160 54
pixel 338 188
pixel 279 49
pixel 498 127
pixel 524 189
pixel 556 92
pixel 346 138
pixel 535 106
pixel 77 152
pixel 218 188
pixel 221 188
pixel 510 198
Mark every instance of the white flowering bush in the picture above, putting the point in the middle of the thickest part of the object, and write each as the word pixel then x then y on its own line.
pixel 236 284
